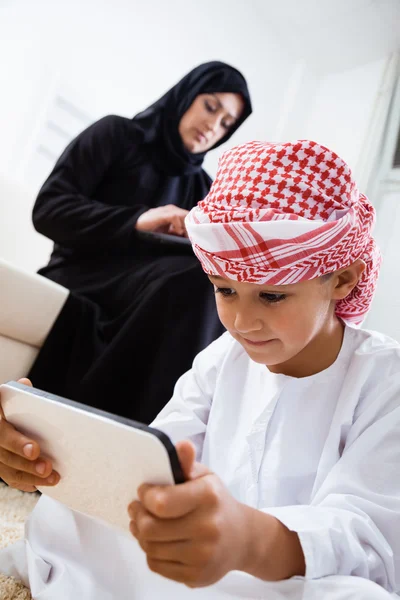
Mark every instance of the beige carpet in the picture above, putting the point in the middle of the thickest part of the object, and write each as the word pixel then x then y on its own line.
pixel 15 506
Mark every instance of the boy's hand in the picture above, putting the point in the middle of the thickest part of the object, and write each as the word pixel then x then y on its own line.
pixel 195 532
pixel 21 465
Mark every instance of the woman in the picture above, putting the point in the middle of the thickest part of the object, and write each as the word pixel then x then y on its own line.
pixel 137 310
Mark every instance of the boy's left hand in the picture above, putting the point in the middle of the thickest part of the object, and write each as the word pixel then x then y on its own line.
pixel 194 532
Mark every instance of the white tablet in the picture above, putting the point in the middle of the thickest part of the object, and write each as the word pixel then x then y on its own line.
pixel 102 458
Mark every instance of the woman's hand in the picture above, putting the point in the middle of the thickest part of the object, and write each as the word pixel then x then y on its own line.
pixel 21 465
pixel 164 219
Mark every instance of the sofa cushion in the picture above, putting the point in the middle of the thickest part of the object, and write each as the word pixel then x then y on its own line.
pixel 29 304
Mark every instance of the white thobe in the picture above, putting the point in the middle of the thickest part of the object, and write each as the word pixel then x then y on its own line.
pixel 320 453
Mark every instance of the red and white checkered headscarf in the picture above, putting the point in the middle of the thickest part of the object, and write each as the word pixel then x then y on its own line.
pixel 284 213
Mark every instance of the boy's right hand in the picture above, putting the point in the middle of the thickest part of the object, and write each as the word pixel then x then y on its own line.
pixel 21 465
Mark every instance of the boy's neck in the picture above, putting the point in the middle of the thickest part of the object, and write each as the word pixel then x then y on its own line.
pixel 320 353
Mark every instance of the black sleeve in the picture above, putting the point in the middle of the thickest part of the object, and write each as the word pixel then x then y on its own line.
pixel 66 210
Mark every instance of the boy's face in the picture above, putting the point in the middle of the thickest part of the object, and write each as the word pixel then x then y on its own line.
pixel 275 324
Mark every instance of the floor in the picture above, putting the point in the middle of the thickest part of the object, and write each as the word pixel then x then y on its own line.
pixel 15 507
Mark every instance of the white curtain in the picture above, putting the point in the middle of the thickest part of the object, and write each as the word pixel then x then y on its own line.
pixel 384 191
pixel 378 145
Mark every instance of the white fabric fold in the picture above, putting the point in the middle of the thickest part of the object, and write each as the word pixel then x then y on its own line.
pixel 321 453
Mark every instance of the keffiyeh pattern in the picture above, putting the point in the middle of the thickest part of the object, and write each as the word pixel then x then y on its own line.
pixel 283 213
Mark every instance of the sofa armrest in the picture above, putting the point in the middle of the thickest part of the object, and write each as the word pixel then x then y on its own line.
pixel 16 359
pixel 29 304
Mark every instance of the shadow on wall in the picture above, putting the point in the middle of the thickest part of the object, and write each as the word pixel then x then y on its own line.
pixel 20 244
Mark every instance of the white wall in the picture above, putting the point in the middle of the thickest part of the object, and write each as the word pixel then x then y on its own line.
pixel 121 55
pixel 342 109
pixel 19 243
pixel 334 109
pixel 117 56
pixel 385 313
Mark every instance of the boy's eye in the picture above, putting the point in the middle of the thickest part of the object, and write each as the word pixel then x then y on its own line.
pixel 224 291
pixel 272 298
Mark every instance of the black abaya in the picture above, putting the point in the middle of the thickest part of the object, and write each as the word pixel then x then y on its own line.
pixel 137 313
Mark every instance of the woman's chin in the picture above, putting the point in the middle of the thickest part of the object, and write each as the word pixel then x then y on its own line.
pixel 193 147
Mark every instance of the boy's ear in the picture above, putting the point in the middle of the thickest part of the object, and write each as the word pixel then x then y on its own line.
pixel 347 279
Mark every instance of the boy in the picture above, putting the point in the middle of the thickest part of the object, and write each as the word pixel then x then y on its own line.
pixel 293 414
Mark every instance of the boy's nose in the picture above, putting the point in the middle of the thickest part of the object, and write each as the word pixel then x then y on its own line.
pixel 247 323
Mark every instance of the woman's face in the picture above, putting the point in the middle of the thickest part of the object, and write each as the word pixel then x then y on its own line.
pixel 208 120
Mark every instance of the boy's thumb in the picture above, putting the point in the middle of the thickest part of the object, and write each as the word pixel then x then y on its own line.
pixel 187 457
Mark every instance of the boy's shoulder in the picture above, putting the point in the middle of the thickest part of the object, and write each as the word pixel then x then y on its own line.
pixel 375 348
pixel 373 376
pixel 374 368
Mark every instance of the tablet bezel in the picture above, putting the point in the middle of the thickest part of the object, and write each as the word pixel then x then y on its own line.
pixel 162 437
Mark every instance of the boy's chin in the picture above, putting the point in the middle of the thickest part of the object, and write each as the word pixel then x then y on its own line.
pixel 262 358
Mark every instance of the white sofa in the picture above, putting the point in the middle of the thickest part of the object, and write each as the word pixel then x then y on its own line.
pixel 29 305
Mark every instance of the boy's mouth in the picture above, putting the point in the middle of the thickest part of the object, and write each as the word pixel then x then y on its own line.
pixel 256 343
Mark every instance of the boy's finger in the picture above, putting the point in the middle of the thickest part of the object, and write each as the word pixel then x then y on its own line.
pixel 180 551
pixel 174 501
pixel 17 443
pixel 23 380
pixel 40 467
pixel 187 456
pixel 134 509
pixel 151 529
pixel 20 480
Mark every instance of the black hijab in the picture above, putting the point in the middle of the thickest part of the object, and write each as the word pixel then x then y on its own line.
pixel 159 122
pixel 127 166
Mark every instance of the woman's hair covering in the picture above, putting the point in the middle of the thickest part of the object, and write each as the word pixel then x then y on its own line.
pixel 159 122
